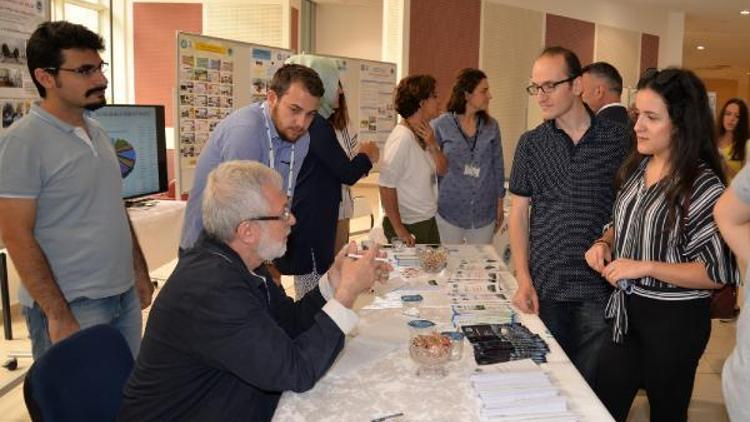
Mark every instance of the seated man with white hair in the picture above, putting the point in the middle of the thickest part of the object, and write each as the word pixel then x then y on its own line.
pixel 223 341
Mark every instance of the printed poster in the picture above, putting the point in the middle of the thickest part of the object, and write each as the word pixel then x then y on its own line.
pixel 206 94
pixel 18 20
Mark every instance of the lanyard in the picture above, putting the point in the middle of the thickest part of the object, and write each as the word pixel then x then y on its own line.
pixel 272 156
pixel 471 144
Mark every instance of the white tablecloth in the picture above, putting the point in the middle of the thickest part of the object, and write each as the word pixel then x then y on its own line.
pixel 374 375
pixel 158 229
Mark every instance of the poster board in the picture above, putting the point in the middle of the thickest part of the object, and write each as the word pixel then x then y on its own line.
pixel 369 87
pixel 18 20
pixel 215 76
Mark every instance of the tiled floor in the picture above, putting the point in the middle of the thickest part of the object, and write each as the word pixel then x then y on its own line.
pixel 707 403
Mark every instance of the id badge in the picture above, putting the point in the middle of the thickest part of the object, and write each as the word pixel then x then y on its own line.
pixel 470 170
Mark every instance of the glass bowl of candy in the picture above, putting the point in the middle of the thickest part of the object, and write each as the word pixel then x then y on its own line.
pixel 432 259
pixel 430 352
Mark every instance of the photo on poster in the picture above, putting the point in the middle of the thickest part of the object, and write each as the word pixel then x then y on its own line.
pixel 226 78
pixel 214 64
pixel 213 113
pixel 187 138
pixel 201 138
pixel 187 126
pixel 186 87
pixel 226 102
pixel 201 113
pixel 186 99
pixel 200 88
pixel 202 62
pixel 188 60
pixel 213 101
pixel 225 90
pixel 200 74
pixel 12 50
pixel 213 89
pixel 227 66
pixel 13 110
pixel 201 100
pixel 201 126
pixel 187 112
pixel 10 77
pixel 213 76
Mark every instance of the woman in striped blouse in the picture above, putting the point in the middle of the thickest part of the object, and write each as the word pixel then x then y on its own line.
pixel 668 253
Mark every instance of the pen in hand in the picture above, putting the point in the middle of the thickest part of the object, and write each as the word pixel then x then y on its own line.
pixel 358 256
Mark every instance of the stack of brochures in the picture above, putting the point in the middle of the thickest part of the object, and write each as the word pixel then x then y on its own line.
pixel 520 391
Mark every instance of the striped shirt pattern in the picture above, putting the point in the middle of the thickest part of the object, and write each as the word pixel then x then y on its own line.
pixel 571 187
pixel 640 218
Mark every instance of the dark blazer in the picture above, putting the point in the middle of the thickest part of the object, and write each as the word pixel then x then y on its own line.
pixel 222 345
pixel 317 196
pixel 617 113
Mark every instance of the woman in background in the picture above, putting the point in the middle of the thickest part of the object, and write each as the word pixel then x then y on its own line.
pixel 347 138
pixel 317 195
pixel 411 162
pixel 733 134
pixel 470 194
pixel 663 252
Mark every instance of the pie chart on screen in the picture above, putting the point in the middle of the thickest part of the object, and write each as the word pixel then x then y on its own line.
pixel 125 156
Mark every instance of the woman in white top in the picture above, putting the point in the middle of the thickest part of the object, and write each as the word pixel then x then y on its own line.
pixel 411 163
pixel 347 137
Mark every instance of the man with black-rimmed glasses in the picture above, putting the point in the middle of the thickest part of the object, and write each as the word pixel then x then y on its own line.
pixel 62 217
pixel 223 341
pixel 563 172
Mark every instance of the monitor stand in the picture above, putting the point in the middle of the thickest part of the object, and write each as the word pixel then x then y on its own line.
pixel 144 202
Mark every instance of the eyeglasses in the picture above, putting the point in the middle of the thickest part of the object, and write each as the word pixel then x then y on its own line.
pixel 547 87
pixel 85 70
pixel 285 216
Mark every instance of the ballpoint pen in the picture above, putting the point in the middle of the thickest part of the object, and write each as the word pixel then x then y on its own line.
pixel 359 256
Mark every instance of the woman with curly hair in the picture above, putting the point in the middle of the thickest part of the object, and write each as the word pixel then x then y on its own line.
pixel 412 160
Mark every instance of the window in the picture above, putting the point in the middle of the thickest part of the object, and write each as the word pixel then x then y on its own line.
pixel 94 15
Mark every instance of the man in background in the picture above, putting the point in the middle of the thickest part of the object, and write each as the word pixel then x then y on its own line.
pixel 563 173
pixel 273 133
pixel 602 90
pixel 62 216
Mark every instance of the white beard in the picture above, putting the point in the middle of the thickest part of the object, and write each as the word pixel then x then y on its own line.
pixel 271 249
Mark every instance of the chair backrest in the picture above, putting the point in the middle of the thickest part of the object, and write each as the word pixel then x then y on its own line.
pixel 81 378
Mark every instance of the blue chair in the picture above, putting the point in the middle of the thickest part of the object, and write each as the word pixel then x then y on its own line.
pixel 80 378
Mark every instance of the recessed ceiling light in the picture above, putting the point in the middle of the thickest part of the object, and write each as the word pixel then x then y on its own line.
pixel 745 12
pixel 700 47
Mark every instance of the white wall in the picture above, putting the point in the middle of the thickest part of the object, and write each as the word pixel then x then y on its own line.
pixel 625 15
pixel 349 30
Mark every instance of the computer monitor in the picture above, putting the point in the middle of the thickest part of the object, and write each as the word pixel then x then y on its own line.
pixel 137 134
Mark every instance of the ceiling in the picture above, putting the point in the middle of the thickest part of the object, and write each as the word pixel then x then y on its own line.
pixel 715 24
pixel 718 26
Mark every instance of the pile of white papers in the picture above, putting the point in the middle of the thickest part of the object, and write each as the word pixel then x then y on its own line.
pixel 482 313
pixel 519 391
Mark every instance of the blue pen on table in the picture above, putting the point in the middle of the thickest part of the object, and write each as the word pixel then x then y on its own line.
pixel 381 419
